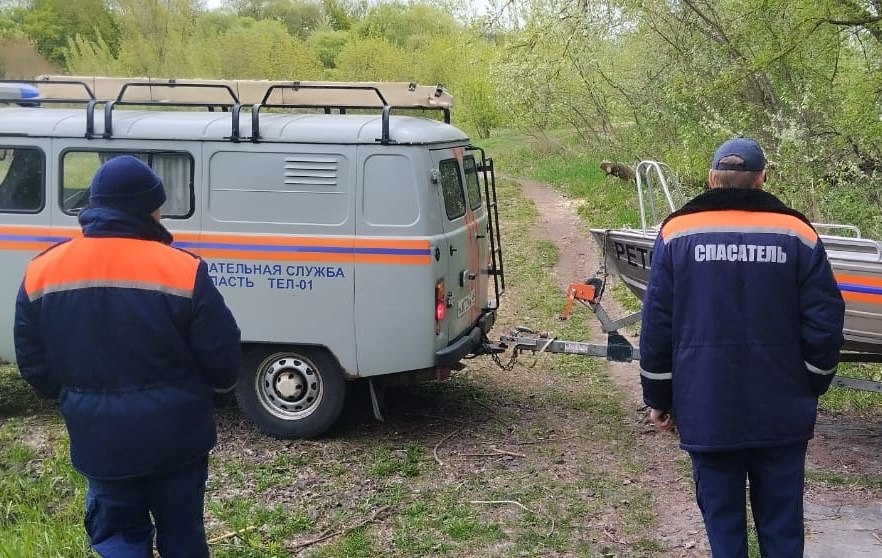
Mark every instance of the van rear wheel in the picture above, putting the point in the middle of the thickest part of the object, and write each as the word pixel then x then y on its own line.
pixel 291 392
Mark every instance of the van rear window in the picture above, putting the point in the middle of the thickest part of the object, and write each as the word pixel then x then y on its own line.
pixel 473 186
pixel 451 187
pixel 175 169
pixel 22 179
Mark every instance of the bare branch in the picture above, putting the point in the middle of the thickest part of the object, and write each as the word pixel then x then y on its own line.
pixel 444 439
pixel 331 534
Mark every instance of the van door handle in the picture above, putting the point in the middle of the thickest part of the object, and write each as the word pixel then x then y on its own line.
pixel 452 249
pixel 464 275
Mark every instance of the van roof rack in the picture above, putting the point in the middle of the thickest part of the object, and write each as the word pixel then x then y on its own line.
pixel 233 94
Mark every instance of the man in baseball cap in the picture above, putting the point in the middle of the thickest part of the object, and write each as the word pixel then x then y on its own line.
pixel 742 326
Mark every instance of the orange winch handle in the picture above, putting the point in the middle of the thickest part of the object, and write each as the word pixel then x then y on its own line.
pixel 581 291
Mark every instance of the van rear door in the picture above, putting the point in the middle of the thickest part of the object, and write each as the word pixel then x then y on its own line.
pixel 464 254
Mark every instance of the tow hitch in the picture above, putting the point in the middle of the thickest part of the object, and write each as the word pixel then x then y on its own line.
pixel 617 347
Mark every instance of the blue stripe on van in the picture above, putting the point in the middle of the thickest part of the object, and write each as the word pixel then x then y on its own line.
pixel 28 238
pixel 852 288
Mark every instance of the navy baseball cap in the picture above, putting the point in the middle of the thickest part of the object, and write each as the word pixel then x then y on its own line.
pixel 747 149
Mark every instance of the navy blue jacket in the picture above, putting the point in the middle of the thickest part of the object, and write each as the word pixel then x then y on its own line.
pixel 742 322
pixel 133 339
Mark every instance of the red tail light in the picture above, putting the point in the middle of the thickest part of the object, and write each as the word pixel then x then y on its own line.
pixel 440 305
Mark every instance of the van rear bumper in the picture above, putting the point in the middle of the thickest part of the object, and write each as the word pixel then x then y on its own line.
pixel 468 343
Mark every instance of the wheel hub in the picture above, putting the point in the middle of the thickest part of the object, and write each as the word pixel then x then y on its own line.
pixel 289 387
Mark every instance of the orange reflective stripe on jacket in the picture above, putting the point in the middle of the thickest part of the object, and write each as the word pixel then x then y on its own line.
pixel 739 221
pixel 111 262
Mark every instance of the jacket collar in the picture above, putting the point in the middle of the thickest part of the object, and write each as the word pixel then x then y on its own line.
pixel 103 222
pixel 740 199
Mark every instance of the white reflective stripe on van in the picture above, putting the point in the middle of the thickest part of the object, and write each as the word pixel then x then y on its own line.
pixel 656 376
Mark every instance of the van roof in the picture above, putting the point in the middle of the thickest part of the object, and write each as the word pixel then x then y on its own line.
pixel 245 105
pixel 217 126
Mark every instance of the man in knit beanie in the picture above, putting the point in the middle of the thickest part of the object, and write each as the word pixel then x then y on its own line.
pixel 127 184
pixel 133 339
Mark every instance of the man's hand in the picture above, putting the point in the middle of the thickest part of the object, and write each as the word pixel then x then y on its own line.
pixel 661 419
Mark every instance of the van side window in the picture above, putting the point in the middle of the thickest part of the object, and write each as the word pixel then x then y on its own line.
pixel 451 187
pixel 473 187
pixel 22 179
pixel 175 169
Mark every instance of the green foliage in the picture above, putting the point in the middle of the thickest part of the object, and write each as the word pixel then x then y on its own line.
pixel 156 37
pixel 51 23
pixel 479 109
pixel 300 17
pixel 669 80
pixel 7 25
pixel 408 26
pixel 84 57
pixel 373 60
pixel 239 48
pixel 388 42
pixel 326 46
pixel 264 50
pixel 337 16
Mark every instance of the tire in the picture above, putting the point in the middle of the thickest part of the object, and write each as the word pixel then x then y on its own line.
pixel 291 392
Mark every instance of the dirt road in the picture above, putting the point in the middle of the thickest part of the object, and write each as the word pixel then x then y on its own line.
pixel 841 521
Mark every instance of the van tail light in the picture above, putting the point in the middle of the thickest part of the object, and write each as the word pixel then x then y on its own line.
pixel 440 305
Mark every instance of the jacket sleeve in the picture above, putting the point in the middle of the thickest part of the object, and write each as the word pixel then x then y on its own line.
pixel 656 340
pixel 30 354
pixel 214 336
pixel 822 313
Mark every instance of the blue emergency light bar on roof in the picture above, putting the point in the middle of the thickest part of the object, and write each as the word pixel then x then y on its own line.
pixel 16 92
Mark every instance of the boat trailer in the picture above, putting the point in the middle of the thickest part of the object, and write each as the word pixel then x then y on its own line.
pixel 617 347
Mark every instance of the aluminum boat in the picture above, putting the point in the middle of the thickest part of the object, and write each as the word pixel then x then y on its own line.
pixel 856 261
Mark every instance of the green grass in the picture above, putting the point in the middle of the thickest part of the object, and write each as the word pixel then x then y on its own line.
pixel 853 481
pixel 386 462
pixel 41 504
pixel 846 400
pixel 16 396
pixel 79 168
pixel 606 202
